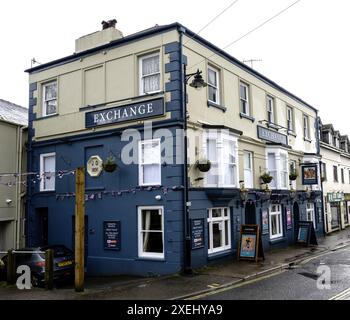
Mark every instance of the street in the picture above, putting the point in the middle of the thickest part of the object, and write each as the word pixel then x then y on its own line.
pixel 299 283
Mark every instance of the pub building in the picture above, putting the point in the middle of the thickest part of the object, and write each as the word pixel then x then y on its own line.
pixel 156 203
pixel 335 151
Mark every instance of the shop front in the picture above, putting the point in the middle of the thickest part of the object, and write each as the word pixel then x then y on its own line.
pixel 336 205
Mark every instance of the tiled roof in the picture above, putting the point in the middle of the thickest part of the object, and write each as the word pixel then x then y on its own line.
pixel 13 113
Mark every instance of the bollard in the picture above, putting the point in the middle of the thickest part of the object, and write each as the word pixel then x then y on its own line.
pixel 11 268
pixel 49 269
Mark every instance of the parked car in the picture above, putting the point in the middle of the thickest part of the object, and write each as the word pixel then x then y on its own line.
pixel 63 263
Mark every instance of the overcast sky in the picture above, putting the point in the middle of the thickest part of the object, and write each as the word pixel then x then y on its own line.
pixel 306 49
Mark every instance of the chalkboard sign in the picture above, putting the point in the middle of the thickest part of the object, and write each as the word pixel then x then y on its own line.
pixel 306 233
pixel 250 244
pixel 197 227
pixel 111 233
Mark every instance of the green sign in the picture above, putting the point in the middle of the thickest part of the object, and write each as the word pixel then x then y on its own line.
pixel 335 197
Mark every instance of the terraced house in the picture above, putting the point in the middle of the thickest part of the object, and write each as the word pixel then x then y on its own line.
pixel 180 202
pixel 335 150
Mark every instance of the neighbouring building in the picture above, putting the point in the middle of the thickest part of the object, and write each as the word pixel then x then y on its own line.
pixel 335 151
pixel 157 212
pixel 13 159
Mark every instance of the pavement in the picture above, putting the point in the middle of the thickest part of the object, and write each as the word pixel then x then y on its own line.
pixel 178 287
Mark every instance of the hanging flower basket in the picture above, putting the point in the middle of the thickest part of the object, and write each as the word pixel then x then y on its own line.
pixel 203 165
pixel 293 175
pixel 109 165
pixel 266 178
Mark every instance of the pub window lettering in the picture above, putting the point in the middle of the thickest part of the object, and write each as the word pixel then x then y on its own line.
pixel 49 98
pixel 149 72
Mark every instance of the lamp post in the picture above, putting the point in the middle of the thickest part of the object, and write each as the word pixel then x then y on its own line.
pixel 196 83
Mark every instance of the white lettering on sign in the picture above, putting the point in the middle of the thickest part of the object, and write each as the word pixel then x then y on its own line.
pixel 115 115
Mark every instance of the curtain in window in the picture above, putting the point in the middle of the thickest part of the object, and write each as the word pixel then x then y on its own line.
pixel 150 74
pixel 212 77
pixel 151 162
pixel 146 227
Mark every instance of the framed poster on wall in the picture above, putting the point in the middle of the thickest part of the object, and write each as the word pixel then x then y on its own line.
pixel 264 221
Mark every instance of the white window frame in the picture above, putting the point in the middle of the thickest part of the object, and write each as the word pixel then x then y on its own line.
pixel 141 253
pixel 220 136
pixel 42 172
pixel 141 77
pixel 222 220
pixel 217 87
pixel 249 171
pixel 310 213
pixel 242 100
pixel 141 164
pixel 278 181
pixel 270 109
pixel 290 119
pixel 44 101
pixel 306 129
pixel 276 213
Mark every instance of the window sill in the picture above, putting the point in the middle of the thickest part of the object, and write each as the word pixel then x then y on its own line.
pixel 245 116
pixel 272 126
pixel 307 140
pixel 215 105
pixel 150 259
pixel 277 240
pixel 219 254
pixel 96 188
pixel 292 133
pixel 47 117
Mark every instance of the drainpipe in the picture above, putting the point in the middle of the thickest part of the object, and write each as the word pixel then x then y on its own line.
pixel 325 223
pixel 186 204
pixel 19 195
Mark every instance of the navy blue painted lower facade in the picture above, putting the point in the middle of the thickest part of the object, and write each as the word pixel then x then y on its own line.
pixel 202 199
pixel 107 207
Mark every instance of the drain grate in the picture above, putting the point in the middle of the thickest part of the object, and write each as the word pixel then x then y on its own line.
pixel 309 275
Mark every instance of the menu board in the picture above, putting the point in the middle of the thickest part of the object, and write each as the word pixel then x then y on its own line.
pixel 197 227
pixel 111 232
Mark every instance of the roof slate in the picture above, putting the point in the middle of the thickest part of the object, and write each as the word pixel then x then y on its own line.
pixel 13 113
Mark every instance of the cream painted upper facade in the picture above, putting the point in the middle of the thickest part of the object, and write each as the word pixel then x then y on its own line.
pixel 110 77
pixel 107 78
pixel 230 77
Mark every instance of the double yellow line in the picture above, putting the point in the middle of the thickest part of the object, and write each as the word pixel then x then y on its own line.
pixel 342 296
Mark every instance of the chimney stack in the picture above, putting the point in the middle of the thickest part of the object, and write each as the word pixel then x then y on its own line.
pixel 108 34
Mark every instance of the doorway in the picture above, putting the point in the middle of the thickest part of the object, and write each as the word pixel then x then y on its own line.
pixel 296 218
pixel 250 213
